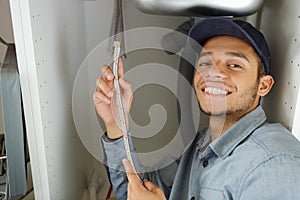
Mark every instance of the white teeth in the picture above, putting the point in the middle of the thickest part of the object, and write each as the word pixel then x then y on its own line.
pixel 216 91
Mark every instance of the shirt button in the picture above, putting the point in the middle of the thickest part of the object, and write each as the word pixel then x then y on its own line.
pixel 205 163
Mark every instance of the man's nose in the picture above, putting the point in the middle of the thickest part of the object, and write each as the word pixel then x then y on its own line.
pixel 217 70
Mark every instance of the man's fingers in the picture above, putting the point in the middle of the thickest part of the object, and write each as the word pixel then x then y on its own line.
pixel 125 84
pixel 154 189
pixel 131 175
pixel 103 86
pixel 150 186
pixel 106 72
pixel 128 167
pixel 100 97
pixel 121 68
pixel 127 89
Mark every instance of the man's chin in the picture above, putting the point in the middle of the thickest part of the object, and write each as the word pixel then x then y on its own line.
pixel 214 113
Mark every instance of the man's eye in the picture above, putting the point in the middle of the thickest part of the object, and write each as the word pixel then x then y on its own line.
pixel 204 64
pixel 235 66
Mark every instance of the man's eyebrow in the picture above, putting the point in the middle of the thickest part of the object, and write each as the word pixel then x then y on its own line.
pixel 203 54
pixel 234 54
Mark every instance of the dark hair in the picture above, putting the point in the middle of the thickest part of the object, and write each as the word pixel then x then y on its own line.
pixel 261 71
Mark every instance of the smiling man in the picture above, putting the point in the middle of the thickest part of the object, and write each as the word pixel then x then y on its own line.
pixel 240 155
pixel 229 81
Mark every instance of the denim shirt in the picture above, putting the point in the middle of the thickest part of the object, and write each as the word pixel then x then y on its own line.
pixel 252 160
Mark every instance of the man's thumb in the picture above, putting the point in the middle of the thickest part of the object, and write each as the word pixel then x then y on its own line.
pixel 150 186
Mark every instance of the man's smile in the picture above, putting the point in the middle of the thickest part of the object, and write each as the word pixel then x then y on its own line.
pixel 215 91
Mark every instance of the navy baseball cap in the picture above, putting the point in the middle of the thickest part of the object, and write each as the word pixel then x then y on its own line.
pixel 211 27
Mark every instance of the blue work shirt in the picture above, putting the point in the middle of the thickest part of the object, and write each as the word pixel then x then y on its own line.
pixel 252 160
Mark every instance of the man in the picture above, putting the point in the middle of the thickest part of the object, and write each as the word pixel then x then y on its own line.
pixel 240 155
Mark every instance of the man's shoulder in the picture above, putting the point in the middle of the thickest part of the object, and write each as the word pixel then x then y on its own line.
pixel 266 149
pixel 274 158
pixel 275 139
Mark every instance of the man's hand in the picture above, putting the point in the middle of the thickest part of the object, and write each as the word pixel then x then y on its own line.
pixel 137 191
pixel 104 99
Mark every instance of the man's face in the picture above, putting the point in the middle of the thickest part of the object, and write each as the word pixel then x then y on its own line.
pixel 226 77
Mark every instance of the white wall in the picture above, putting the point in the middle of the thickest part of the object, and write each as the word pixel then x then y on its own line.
pixel 280 23
pixel 50 41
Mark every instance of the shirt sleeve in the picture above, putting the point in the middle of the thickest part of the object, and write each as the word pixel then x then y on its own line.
pixel 275 178
pixel 114 153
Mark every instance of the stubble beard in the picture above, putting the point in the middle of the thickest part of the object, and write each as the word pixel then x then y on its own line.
pixel 247 100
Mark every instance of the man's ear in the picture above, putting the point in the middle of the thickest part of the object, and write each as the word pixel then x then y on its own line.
pixel 265 85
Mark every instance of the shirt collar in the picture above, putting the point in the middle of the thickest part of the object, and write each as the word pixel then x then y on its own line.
pixel 229 140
